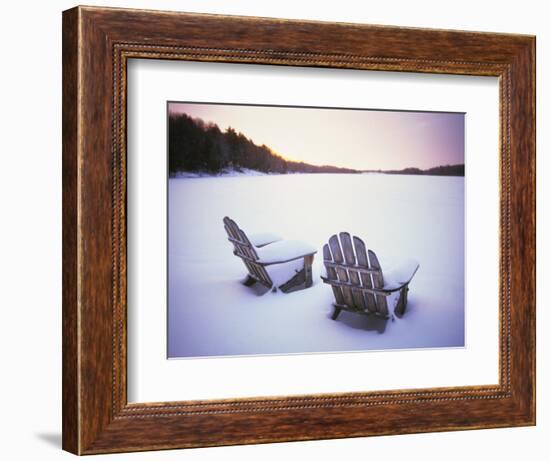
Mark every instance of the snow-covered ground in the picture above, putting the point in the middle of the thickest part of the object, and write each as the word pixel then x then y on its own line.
pixel 399 217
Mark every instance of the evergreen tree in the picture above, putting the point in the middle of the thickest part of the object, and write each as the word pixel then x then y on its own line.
pixel 196 146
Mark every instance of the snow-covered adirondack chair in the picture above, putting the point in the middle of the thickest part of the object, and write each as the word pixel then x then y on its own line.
pixel 357 280
pixel 259 251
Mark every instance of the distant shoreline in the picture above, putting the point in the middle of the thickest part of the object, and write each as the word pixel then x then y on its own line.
pixel 245 172
pixel 442 170
pixel 202 149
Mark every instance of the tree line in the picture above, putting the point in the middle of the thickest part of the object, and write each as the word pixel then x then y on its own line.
pixel 198 146
pixel 443 170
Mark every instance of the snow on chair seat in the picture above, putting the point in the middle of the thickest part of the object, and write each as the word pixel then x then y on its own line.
pixel 261 239
pixel 357 281
pixel 268 250
pixel 284 251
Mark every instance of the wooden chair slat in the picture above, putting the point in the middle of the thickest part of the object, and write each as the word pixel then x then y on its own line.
pixel 243 238
pixel 264 275
pixel 347 248
pixel 366 279
pixel 342 273
pixel 355 267
pixel 349 256
pixel 327 256
pixel 260 275
pixel 228 230
pixel 234 228
pixel 378 281
pixel 348 296
pixel 335 249
pixel 331 273
pixel 361 252
pixel 231 228
pixel 251 271
pixel 377 278
pixel 245 251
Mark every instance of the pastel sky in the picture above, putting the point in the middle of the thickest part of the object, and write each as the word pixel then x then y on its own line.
pixel 360 139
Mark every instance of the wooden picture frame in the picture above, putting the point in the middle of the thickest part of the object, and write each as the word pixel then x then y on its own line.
pixel 97 43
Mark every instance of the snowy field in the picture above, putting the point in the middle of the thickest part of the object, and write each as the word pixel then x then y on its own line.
pixel 399 217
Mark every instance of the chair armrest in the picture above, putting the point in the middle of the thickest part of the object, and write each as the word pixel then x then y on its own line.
pixel 396 278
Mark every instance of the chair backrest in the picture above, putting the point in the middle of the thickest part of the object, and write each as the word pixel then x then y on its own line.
pixel 354 272
pixel 246 251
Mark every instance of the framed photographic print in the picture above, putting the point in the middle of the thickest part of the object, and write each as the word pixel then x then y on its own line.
pixel 368 186
pixel 283 230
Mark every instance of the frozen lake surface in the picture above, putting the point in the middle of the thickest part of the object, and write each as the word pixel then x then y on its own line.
pixel 399 217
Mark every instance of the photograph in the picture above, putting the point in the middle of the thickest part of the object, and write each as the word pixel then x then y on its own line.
pixel 303 230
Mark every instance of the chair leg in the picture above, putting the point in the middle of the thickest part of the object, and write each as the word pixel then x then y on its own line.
pixel 249 281
pixel 303 277
pixel 308 263
pixel 336 312
pixel 399 310
pixel 294 282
